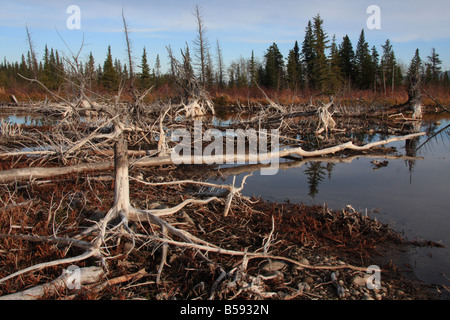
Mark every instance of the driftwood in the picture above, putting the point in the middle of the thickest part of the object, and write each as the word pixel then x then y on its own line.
pixel 44 172
pixel 86 276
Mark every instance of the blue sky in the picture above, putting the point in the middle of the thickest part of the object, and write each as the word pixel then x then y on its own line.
pixel 240 26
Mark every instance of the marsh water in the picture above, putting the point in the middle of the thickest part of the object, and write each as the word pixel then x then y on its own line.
pixel 412 196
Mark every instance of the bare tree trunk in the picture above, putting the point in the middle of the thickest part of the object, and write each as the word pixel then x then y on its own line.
pixel 202 44
pixel 122 188
pixel 34 64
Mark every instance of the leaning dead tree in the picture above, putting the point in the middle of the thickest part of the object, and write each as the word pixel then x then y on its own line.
pixel 122 124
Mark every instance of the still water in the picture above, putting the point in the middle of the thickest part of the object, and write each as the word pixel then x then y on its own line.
pixel 411 196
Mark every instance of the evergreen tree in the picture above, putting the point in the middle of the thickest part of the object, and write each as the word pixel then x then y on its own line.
pixel 375 67
pixel 294 68
pixel 187 62
pixel 23 68
pixel 319 45
pixel 347 60
pixel 308 55
pixel 390 71
pixel 4 74
pixel 273 70
pixel 61 73
pixel 158 67
pixel 46 75
pixel 253 70
pixel 414 77
pixel 363 63
pixel 434 67
pixel 110 77
pixel 89 70
pixel 188 74
pixel 334 79
pixel 118 67
pixel 144 75
pixel 446 81
pixel 209 71
pixel 414 72
pixel 55 72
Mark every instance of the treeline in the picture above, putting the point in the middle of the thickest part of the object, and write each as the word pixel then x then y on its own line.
pixel 328 67
pixel 319 63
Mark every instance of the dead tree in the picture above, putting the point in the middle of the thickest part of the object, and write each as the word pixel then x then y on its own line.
pixel 202 44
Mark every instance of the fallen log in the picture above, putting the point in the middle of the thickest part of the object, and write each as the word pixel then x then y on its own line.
pixel 86 276
pixel 44 172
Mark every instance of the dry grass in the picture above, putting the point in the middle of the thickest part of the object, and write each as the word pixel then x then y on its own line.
pixel 249 96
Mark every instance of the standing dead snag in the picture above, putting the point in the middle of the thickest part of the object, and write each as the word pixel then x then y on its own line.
pixel 325 118
pixel 122 188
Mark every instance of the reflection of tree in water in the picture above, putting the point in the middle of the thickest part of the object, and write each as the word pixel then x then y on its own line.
pixel 411 151
pixel 316 172
pixel 411 146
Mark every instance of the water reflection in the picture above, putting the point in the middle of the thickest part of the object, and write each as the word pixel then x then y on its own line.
pixel 316 172
pixel 28 119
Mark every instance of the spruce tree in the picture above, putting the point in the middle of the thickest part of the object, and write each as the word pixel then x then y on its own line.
pixel 294 68
pixel 46 74
pixel 320 65
pixel 23 68
pixel 414 77
pixel 334 79
pixel 253 70
pixel 308 55
pixel 390 71
pixel 375 67
pixel 363 63
pixel 144 75
pixel 110 77
pixel 209 71
pixel 158 66
pixel 54 71
pixel 446 81
pixel 434 66
pixel 347 60
pixel 273 71
pixel 89 71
